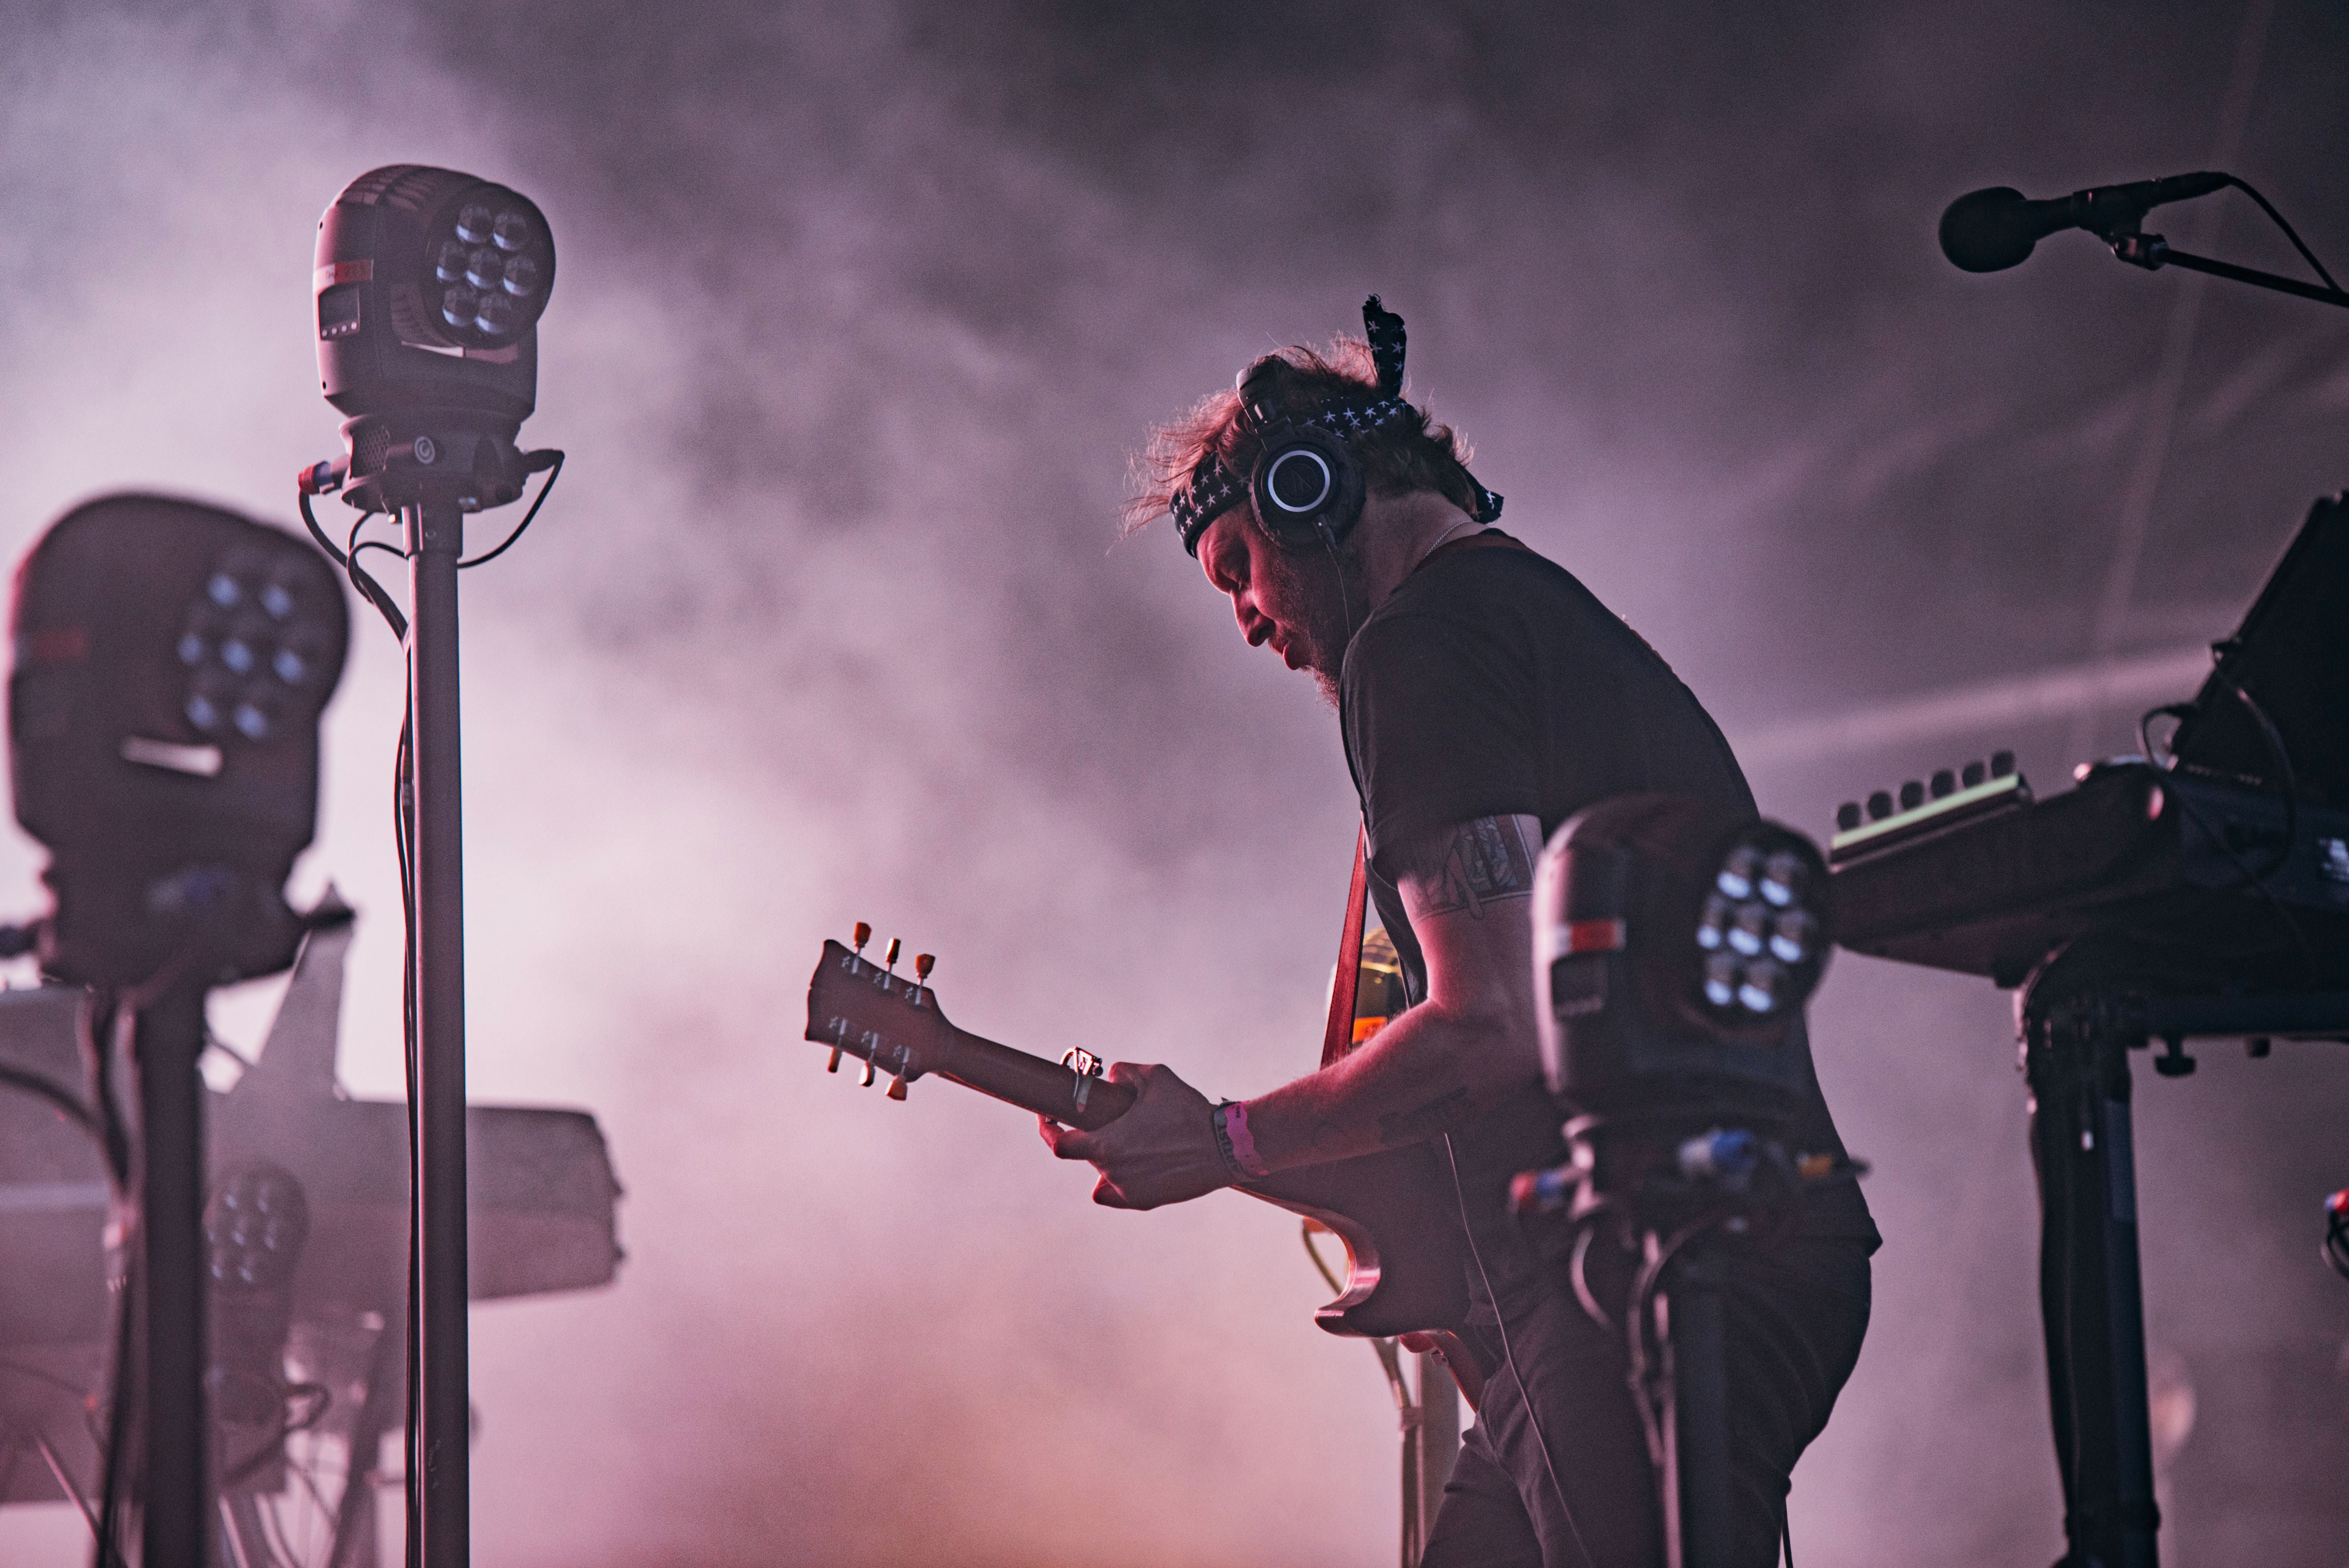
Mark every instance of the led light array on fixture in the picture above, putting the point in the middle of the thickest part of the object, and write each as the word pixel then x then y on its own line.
pixel 251 645
pixel 1758 931
pixel 489 262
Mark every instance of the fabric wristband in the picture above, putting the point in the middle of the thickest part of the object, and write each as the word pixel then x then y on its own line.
pixel 1233 1140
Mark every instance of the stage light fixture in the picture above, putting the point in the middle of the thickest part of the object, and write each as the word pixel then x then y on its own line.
pixel 430 285
pixel 1674 947
pixel 172 663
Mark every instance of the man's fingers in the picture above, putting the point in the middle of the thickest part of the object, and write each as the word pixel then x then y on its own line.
pixel 1068 1142
pixel 1106 1194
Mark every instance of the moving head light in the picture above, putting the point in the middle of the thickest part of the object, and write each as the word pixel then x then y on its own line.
pixel 430 286
pixel 172 663
pixel 1674 946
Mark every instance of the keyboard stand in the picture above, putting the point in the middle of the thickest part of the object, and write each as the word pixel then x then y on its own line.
pixel 2077 1036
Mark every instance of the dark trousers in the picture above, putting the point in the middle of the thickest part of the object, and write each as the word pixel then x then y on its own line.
pixel 1586 1497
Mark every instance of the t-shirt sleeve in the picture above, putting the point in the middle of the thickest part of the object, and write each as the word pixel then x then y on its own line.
pixel 1438 728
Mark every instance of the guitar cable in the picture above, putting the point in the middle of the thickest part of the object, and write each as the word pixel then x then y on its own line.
pixel 1509 1355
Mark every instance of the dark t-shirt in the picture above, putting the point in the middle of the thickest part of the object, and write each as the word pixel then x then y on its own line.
pixel 1493 683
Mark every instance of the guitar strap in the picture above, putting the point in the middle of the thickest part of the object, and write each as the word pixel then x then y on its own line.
pixel 1337 1038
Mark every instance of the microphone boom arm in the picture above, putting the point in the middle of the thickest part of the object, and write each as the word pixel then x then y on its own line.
pixel 2153 253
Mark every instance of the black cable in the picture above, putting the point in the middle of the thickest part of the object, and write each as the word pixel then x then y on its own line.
pixel 1509 1355
pixel 95 1025
pixel 321 1398
pixel 404 845
pixel 2289 781
pixel 2181 711
pixel 2269 208
pixel 375 593
pixel 2246 877
pixel 119 1404
pixel 555 472
pixel 214 1043
pixel 98 1023
pixel 403 811
pixel 64 1100
pixel 310 521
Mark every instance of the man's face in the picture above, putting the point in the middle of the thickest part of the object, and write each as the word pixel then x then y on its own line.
pixel 1290 603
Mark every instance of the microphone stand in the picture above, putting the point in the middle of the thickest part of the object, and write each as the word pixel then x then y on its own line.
pixel 2153 253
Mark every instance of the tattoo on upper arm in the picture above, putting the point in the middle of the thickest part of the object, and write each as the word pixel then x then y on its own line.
pixel 1483 863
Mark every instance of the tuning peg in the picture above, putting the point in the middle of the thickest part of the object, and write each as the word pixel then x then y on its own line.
pixel 897 1086
pixel 891 961
pixel 923 964
pixel 866 1081
pixel 833 1066
pixel 864 936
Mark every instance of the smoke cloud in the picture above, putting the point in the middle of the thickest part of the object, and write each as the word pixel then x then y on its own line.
pixel 862 308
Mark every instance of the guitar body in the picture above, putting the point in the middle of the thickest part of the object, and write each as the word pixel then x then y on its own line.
pixel 1405 1269
pixel 1393 1211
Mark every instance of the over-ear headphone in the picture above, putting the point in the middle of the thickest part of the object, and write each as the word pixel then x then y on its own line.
pixel 1306 487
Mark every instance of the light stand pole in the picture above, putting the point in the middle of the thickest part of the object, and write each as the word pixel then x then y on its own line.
pixel 168 1036
pixel 435 530
pixel 1698 1522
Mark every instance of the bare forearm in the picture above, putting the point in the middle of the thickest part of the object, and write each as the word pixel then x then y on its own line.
pixel 1426 1073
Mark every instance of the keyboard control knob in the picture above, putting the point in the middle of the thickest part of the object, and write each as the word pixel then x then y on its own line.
pixel 1944 783
pixel 1879 805
pixel 1912 795
pixel 1847 816
pixel 1974 774
pixel 2002 763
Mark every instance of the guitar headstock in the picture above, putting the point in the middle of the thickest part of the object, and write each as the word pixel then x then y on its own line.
pixel 866 1010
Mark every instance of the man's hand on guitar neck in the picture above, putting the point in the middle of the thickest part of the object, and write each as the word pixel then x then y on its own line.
pixel 1432 1069
pixel 1164 1150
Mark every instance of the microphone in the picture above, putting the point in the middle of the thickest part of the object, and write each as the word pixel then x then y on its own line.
pixel 1990 231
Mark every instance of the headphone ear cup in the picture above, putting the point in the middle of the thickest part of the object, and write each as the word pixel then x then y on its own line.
pixel 1307 488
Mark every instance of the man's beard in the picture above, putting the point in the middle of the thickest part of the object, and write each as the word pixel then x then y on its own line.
pixel 1322 584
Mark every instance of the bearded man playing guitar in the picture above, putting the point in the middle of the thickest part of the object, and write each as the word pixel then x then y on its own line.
pixel 1484 697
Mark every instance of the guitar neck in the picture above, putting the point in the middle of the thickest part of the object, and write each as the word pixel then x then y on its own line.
pixel 1047 1088
pixel 864 1009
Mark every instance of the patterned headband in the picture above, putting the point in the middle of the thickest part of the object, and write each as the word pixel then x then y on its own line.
pixel 1214 489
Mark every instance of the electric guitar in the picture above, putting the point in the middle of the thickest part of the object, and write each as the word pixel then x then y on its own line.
pixel 1392 1210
